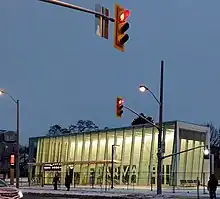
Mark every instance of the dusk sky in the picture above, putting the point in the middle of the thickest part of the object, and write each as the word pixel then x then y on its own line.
pixel 52 61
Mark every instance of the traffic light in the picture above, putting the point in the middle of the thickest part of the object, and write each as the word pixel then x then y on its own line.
pixel 12 160
pixel 119 106
pixel 121 26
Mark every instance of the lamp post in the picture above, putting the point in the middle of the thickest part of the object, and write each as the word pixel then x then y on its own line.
pixel 143 88
pixel 17 135
pixel 112 171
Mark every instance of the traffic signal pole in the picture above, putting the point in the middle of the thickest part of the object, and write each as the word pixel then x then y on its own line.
pixel 74 7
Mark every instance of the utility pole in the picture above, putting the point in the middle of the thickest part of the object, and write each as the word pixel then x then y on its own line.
pixel 17 160
pixel 159 154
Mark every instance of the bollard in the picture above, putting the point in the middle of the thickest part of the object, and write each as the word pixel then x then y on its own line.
pixel 198 184
pixel 173 183
pixel 203 176
pixel 151 184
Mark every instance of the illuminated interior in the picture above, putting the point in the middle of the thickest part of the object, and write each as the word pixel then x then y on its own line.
pixel 134 154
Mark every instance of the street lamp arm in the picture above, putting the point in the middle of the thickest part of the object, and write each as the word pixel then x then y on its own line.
pixel 154 96
pixel 11 97
pixel 141 116
pixel 170 155
pixel 6 93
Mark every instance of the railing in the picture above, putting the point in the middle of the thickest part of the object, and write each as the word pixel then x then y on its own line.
pixel 174 181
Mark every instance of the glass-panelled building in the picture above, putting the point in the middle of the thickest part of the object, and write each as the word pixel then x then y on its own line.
pixel 130 151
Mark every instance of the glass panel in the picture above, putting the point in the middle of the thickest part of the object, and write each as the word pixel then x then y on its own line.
pixel 102 146
pixel 53 149
pixel 136 154
pixel 126 156
pixel 38 150
pixel 78 154
pixel 94 146
pixel 46 148
pixel 182 160
pixel 196 161
pixel 146 161
pixel 117 155
pixel 58 148
pixel 169 137
pixel 86 148
pixel 189 161
pixel 79 145
pixel 72 149
pixel 111 141
pixel 64 149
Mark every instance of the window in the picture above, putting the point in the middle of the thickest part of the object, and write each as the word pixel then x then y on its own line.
pixel 3 184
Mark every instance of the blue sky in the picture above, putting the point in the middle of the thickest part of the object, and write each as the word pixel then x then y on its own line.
pixel 52 61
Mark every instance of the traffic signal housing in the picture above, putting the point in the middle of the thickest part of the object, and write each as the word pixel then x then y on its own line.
pixel 119 106
pixel 121 26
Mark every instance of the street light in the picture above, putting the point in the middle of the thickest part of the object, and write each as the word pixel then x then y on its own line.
pixel 3 92
pixel 143 88
pixel 206 151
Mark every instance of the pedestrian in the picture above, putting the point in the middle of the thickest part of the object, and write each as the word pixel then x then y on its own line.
pixel 92 179
pixel 55 181
pixel 212 186
pixel 67 181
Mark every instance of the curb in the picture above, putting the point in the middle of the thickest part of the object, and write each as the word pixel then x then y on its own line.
pixel 95 196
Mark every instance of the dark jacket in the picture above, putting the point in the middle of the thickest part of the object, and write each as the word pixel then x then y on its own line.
pixel 212 183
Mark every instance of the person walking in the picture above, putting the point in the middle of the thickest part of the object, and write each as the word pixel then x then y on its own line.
pixel 55 181
pixel 67 181
pixel 212 186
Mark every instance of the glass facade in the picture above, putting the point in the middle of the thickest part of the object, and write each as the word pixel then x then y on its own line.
pixel 133 150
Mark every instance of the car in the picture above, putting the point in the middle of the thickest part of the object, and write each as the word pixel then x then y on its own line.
pixel 7 192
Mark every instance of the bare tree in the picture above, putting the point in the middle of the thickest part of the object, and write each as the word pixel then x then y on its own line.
pixel 214 135
pixel 83 126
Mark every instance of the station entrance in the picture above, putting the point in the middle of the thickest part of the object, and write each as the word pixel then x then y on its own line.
pixel 81 172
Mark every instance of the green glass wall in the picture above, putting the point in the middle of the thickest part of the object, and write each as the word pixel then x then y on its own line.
pixel 135 151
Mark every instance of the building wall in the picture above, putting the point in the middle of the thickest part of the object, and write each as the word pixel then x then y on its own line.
pixel 136 152
pixel 7 148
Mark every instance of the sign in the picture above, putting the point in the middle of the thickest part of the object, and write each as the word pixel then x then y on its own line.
pixel 101 23
pixel 52 167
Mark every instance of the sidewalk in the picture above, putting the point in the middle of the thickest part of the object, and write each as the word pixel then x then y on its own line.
pixel 115 193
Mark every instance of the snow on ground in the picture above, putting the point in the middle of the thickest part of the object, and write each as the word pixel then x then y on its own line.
pixel 108 194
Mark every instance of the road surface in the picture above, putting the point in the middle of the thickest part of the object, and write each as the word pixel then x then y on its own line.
pixel 40 197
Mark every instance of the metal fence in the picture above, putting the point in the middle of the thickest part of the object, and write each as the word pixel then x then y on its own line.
pixel 177 180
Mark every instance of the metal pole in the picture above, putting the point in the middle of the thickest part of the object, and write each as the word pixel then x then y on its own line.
pixel 112 171
pixel 159 154
pixel 74 7
pixel 17 145
pixel 131 110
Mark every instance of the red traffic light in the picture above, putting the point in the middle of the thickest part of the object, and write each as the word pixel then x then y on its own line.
pixel 120 102
pixel 123 17
pixel 119 106
pixel 12 159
